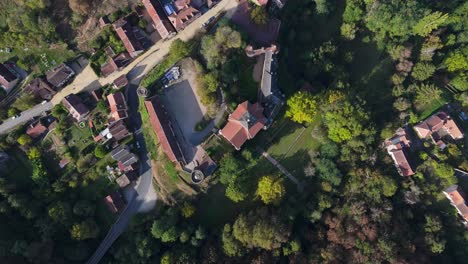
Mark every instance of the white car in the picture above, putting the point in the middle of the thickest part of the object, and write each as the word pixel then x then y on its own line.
pixel 44 102
pixel 15 116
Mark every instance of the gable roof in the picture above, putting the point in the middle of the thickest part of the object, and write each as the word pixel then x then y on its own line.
pixel 244 123
pixel 160 22
pixel 36 129
pixel 118 106
pixel 458 199
pixel 73 103
pixel 184 15
pixel 6 74
pixel 121 81
pixel 115 202
pixel 40 89
pixel 127 35
pixel 399 157
pixel 59 75
pixel 163 129
pixel 436 122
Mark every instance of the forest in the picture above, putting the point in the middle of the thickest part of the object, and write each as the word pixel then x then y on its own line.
pixel 353 72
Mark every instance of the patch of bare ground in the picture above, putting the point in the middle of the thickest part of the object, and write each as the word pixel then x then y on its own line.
pixel 162 186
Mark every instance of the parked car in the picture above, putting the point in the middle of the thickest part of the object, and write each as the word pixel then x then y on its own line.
pixel 138 145
pixel 15 116
pixel 44 102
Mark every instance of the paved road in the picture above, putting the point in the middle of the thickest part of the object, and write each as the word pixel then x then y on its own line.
pixel 87 80
pixel 24 117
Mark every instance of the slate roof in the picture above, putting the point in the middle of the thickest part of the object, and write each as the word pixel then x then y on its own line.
pixel 59 75
pixel 40 89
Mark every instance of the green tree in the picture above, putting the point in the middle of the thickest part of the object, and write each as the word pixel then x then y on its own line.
pixel 25 101
pixel 24 140
pixel 187 210
pixel 259 15
pixel 84 208
pixel 321 6
pixel 270 189
pixel 60 212
pixel 426 93
pixel 180 49
pixel 211 82
pixel 457 60
pixel 84 230
pixel 302 107
pixel 216 49
pixel 348 31
pixel 100 151
pixel 428 23
pixel 423 70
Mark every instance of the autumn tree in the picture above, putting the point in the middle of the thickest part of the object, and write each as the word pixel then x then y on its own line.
pixel 84 230
pixel 270 189
pixel 302 107
pixel 259 15
pixel 24 140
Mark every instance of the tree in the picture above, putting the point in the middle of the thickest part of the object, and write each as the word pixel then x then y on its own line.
pixel 25 101
pixel 180 49
pixel 423 70
pixel 34 153
pixel 60 212
pixel 187 210
pixel 216 49
pixel 321 6
pixel 259 15
pixel 348 31
pixel 270 189
pixel 59 111
pixel 100 151
pixel 457 60
pixel 24 140
pixel 301 107
pixel 211 82
pixel 328 171
pixel 84 230
pixel 82 7
pixel 428 23
pixel 12 111
pixel 426 93
pixel 236 191
pixel 84 208
pixel 401 104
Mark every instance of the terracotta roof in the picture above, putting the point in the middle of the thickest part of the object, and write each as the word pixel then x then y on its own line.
pixel 160 22
pixel 59 75
pixel 36 129
pixel 244 123
pixel 127 35
pixel 437 122
pixel 109 67
pixel 163 129
pixel 458 198
pixel 40 89
pixel 63 163
pixel 399 157
pixel 182 17
pixel 118 106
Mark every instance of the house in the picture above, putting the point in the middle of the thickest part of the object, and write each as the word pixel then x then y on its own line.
pixel 396 148
pixel 120 82
pixel 116 130
pixel 104 21
pixel 181 13
pixel 75 107
pixel 115 202
pixel 126 33
pixel 40 89
pixel 8 77
pixel 458 198
pixel 59 75
pixel 127 161
pixel 118 106
pixel 438 126
pixel 115 63
pixel 244 124
pixel 163 128
pixel 160 21
pixel 36 129
pixel 122 181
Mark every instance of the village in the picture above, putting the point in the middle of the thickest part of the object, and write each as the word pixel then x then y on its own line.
pixel 188 105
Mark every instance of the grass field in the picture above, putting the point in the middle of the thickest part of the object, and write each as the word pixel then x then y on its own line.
pixel 151 140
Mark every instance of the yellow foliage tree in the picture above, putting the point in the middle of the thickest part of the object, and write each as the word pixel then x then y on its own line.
pixel 187 210
pixel 270 189
pixel 301 107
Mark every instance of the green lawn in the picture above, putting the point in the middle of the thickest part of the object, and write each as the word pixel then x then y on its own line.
pixel 79 138
pixel 151 140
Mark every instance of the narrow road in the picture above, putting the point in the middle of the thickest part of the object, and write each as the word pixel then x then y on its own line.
pixel 87 80
pixel 280 167
pixel 24 117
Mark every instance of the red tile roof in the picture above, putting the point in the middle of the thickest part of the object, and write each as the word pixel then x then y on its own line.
pixel 244 123
pixel 36 129
pixel 163 129
pixel 160 22
pixel 109 67
pixel 399 157
pixel 458 198
pixel 125 32
pixel 184 15
pixel 437 122
pixel 118 106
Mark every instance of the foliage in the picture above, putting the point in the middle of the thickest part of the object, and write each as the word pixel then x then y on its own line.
pixel 457 60
pixel 348 31
pixel 84 230
pixel 422 71
pixel 25 101
pixel 24 140
pixel 322 7
pixel 187 210
pixel 216 49
pixel 302 107
pixel 259 15
pixel 270 189
pixel 428 23
pixel 426 93
pixel 100 151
